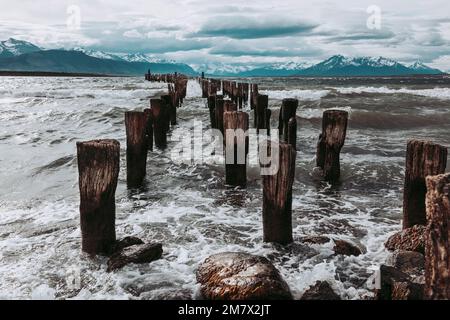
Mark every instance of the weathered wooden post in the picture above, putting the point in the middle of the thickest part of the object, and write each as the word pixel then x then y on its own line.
pixel 171 109
pixel 149 129
pixel 212 110
pixel 160 120
pixel 219 114
pixel 437 238
pixel 288 110
pixel 229 106
pixel 423 158
pixel 254 95
pixel 236 148
pixel 261 112
pixel 98 168
pixel 277 196
pixel 292 132
pixel 136 130
pixel 331 141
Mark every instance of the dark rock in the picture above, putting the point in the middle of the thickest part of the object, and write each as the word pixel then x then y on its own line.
pixel 388 277
pixel 240 276
pixel 125 243
pixel 411 239
pixel 407 291
pixel 321 290
pixel 142 253
pixel 315 239
pixel 409 262
pixel 346 248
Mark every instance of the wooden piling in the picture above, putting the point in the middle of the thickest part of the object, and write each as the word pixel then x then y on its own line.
pixel 149 129
pixel 288 110
pixel 331 141
pixel 171 109
pixel 219 114
pixel 98 167
pixel 292 132
pixel 136 130
pixel 261 112
pixel 236 148
pixel 437 238
pixel 277 197
pixel 423 158
pixel 212 110
pixel 159 123
pixel 229 106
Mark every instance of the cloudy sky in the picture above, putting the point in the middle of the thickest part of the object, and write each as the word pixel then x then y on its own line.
pixel 246 32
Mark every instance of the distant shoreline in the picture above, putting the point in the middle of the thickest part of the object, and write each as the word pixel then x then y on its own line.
pixel 54 74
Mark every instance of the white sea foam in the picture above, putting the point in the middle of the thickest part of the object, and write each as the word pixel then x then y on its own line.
pixel 295 94
pixel 440 93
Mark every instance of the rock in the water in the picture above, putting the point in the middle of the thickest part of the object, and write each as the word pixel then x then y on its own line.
pixel 397 285
pixel 407 291
pixel 142 253
pixel 409 262
pixel 240 276
pixel 411 239
pixel 321 290
pixel 315 239
pixel 125 243
pixel 346 248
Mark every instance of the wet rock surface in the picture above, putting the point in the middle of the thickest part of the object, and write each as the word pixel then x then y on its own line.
pixel 125 243
pixel 397 285
pixel 409 262
pixel 346 248
pixel 140 253
pixel 321 290
pixel 241 276
pixel 411 239
pixel 315 239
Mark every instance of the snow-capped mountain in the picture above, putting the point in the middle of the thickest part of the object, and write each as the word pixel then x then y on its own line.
pixel 339 65
pixel 422 68
pixel 129 57
pixel 99 54
pixel 13 48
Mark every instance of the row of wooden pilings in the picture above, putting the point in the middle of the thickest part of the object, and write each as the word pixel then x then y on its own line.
pixel 98 163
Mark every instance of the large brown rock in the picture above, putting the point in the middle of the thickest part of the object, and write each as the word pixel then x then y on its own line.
pixel 346 248
pixel 321 290
pixel 398 285
pixel 141 253
pixel 241 276
pixel 409 262
pixel 411 239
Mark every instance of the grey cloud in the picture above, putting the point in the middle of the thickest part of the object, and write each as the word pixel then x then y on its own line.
pixel 244 27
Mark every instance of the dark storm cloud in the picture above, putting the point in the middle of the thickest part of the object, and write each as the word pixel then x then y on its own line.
pixel 244 27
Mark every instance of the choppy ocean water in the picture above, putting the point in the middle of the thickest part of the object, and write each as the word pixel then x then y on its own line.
pixel 187 207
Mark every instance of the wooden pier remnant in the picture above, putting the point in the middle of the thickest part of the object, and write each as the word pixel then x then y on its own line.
pixel 160 122
pixel 98 167
pixel 171 109
pixel 423 158
pixel 253 95
pixel 236 148
pixel 437 238
pixel 136 123
pixel 219 114
pixel 212 110
pixel 331 141
pixel 292 132
pixel 287 111
pixel 277 196
pixel 262 113
pixel 149 129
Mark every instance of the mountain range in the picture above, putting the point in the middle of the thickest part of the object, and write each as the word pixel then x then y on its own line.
pixel 17 55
